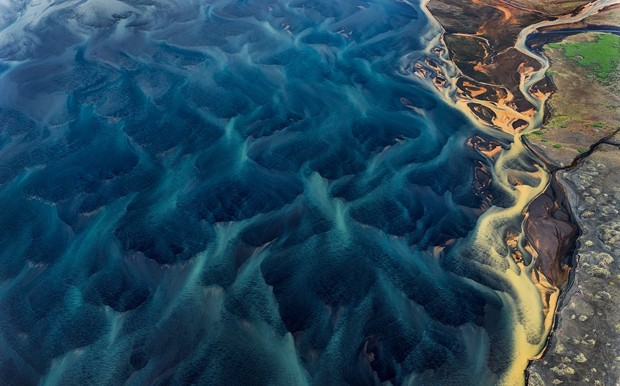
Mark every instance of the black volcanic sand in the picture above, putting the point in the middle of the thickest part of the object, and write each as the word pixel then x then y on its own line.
pixel 585 347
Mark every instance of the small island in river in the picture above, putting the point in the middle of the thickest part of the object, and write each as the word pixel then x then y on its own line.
pixel 579 141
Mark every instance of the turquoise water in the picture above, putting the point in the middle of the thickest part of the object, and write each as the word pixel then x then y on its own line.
pixel 236 193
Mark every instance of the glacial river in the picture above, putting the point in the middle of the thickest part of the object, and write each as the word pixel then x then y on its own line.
pixel 255 193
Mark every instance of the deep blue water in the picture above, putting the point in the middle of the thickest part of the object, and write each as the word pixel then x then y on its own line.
pixel 235 193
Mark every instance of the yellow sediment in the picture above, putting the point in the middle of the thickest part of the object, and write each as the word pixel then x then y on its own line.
pixel 534 297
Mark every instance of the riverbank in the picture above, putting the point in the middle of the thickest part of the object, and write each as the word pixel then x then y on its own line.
pixel 581 143
pixel 584 347
pixel 578 143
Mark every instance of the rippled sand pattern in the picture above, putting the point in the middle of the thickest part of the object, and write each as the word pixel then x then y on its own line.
pixel 250 193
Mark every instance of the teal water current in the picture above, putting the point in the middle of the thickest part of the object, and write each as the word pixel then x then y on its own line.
pixel 248 193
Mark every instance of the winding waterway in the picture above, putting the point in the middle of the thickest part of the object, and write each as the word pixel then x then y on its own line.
pixel 511 172
pixel 259 192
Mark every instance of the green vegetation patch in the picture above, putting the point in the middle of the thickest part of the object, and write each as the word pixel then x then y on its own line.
pixel 559 121
pixel 573 4
pixel 602 55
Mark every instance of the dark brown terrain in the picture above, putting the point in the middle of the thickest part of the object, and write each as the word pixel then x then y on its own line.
pixel 573 225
